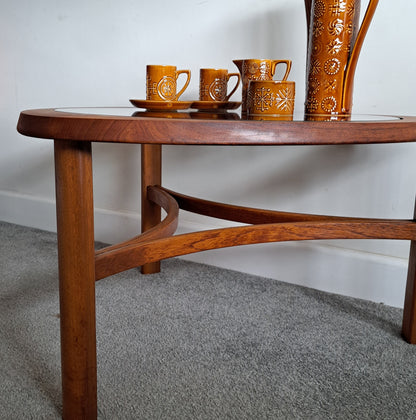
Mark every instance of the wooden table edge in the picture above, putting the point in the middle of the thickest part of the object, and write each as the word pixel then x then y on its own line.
pixel 53 124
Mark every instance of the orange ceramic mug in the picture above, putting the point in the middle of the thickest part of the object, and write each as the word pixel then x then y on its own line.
pixel 161 83
pixel 213 84
pixel 270 97
pixel 258 69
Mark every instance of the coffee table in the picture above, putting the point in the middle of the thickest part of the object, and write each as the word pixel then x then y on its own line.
pixel 73 130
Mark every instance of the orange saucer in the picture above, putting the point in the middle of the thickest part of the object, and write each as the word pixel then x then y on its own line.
pixel 160 105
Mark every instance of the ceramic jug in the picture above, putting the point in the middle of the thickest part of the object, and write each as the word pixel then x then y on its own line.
pixel 257 69
pixel 334 45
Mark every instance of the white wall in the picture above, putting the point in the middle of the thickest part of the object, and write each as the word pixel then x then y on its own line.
pixel 56 53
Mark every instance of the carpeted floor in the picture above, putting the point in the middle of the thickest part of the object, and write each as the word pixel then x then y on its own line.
pixel 199 342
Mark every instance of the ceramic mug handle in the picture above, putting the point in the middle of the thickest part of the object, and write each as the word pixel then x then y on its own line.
pixel 236 85
pixel 188 72
pixel 288 67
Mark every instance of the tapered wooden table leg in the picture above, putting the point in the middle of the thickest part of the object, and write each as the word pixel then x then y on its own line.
pixel 151 175
pixel 409 310
pixel 75 222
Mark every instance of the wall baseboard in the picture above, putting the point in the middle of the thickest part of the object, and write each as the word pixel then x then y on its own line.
pixel 374 277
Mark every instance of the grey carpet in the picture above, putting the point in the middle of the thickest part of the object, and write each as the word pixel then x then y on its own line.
pixel 199 342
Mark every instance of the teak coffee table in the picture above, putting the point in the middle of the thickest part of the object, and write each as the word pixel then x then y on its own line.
pixel 73 131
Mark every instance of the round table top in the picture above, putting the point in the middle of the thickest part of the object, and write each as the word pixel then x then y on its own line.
pixel 130 125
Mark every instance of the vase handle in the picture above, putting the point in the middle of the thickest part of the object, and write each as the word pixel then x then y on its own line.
pixel 352 62
pixel 308 10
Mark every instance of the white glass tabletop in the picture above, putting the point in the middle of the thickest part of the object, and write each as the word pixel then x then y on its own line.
pixel 233 115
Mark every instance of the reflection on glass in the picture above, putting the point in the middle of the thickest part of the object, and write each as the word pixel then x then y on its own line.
pixel 269 117
pixel 130 111
pixel 327 117
pixel 187 115
pixel 204 115
pixel 161 114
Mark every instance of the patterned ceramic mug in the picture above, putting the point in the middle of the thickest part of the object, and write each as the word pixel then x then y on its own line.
pixel 270 97
pixel 161 83
pixel 213 84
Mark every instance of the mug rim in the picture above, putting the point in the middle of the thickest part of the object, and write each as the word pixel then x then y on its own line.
pixel 252 82
pixel 160 65
pixel 256 59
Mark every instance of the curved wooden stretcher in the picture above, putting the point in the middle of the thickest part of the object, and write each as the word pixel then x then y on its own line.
pixel 158 243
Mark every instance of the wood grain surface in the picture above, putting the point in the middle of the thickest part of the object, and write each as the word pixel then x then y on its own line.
pixel 51 124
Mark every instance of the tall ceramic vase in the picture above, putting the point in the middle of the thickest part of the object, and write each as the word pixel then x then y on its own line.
pixel 334 44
